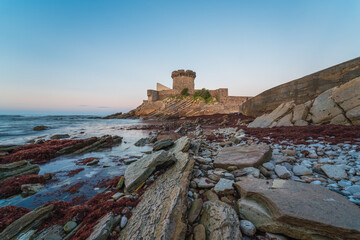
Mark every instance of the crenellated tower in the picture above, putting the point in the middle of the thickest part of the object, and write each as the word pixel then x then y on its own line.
pixel 183 79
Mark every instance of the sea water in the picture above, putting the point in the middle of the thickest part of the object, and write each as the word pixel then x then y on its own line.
pixel 18 130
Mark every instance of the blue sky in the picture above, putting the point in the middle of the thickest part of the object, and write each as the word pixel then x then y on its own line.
pixel 89 56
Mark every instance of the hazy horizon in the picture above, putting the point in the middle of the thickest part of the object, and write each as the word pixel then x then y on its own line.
pixel 88 57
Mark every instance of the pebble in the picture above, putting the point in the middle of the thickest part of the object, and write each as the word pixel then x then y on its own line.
pixel 301 170
pixel 123 221
pixel 247 228
pixel 282 172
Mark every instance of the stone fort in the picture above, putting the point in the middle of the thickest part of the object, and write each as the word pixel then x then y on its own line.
pixel 186 79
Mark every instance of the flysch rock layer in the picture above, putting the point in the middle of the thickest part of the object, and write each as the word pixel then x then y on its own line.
pixel 162 211
pixel 17 169
pixel 298 210
pixel 29 221
pixel 339 105
pixel 243 156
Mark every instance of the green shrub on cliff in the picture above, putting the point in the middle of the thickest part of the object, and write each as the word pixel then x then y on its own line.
pixel 203 94
pixel 185 92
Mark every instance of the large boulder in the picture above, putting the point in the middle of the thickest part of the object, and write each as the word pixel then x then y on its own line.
pixel 162 211
pixel 243 156
pixel 298 210
pixel 137 172
pixel 17 169
pixel 220 221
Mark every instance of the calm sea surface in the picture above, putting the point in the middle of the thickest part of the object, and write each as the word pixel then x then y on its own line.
pixel 15 129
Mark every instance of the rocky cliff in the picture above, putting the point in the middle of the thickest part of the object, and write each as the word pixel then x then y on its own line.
pixel 303 89
pixel 173 107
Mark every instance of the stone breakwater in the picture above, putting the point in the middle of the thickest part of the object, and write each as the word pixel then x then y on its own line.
pixel 212 177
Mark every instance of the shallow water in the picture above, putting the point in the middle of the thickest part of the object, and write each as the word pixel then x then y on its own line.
pixel 19 130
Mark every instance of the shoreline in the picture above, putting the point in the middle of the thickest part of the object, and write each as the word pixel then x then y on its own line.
pixel 209 135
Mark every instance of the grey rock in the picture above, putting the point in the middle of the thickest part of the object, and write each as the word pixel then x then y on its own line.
pixel 282 172
pixel 123 221
pixel 224 186
pixel 163 143
pixel 353 189
pixel 103 228
pixel 301 170
pixel 69 226
pixel 334 172
pixel 269 166
pixel 139 171
pixel 247 228
pixel 142 142
pixel 60 136
pixel 220 221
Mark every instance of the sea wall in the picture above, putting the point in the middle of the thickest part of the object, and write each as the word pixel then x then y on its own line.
pixel 302 89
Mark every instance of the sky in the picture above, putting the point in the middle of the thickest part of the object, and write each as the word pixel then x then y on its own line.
pixel 99 57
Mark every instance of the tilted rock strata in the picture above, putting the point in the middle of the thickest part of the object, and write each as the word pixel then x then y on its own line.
pixel 17 169
pixel 161 212
pixel 338 105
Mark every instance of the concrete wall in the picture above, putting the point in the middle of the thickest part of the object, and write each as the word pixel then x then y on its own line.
pixel 302 89
pixel 160 87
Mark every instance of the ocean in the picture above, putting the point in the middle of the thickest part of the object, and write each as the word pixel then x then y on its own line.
pixel 18 130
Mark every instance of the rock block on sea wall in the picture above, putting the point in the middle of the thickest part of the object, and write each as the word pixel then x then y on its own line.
pixel 243 156
pixel 348 94
pixel 298 210
pixel 302 89
pixel 274 116
pixel 162 210
pixel 324 108
pixel 220 221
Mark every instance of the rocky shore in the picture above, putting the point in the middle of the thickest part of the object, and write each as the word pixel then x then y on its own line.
pixel 208 177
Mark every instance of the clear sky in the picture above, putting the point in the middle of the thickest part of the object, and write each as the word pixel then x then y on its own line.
pixel 72 56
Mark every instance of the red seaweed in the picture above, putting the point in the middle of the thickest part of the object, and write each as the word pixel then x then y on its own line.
pixel 9 214
pixel 38 152
pixel 74 172
pixel 11 187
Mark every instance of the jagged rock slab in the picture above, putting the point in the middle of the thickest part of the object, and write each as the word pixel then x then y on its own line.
pixel 103 228
pixel 162 210
pixel 243 156
pixel 139 171
pixel 17 169
pixel 220 221
pixel 298 210
pixel 26 222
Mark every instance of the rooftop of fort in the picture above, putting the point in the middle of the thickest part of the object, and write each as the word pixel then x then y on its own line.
pixel 182 72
